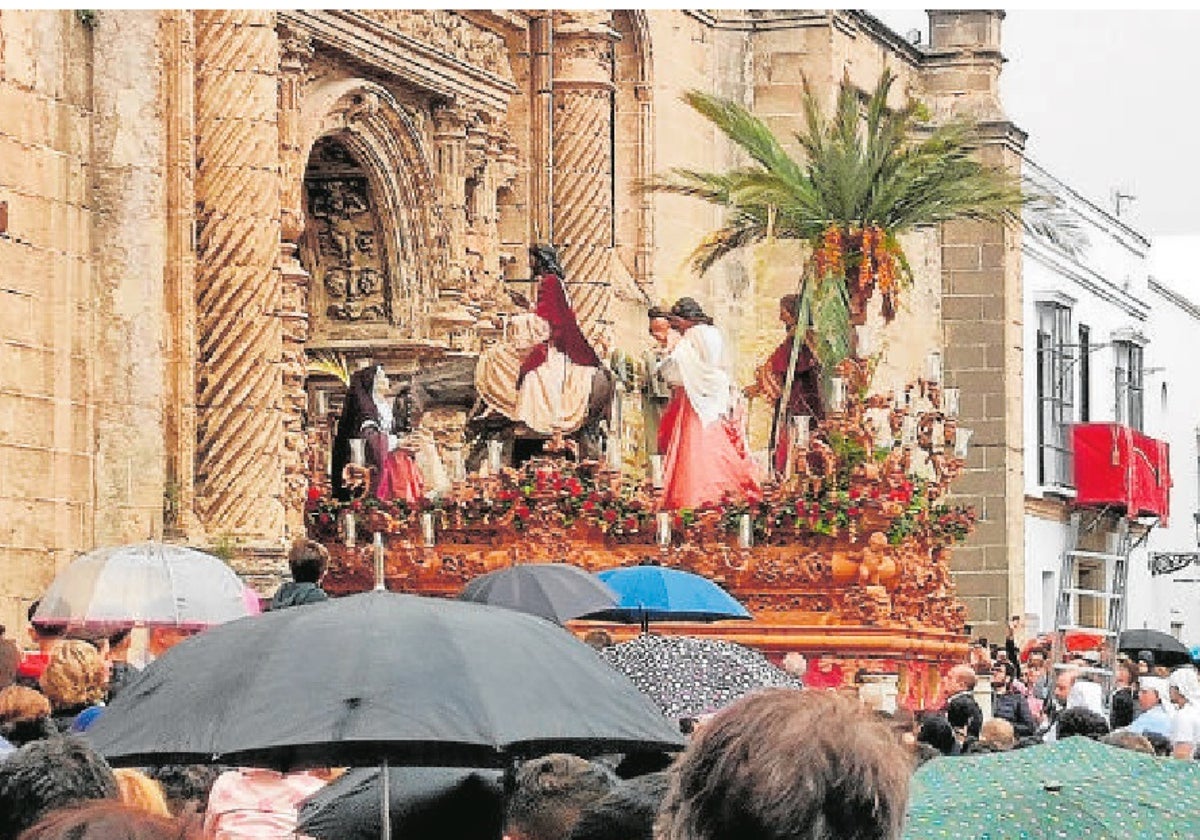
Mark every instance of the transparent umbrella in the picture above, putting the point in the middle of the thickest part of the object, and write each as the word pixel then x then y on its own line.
pixel 148 584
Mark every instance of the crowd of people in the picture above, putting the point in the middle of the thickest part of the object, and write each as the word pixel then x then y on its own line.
pixel 818 762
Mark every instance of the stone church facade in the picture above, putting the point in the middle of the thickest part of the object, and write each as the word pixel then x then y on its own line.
pixel 193 204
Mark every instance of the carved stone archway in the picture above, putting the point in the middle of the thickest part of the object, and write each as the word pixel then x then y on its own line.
pixel 386 140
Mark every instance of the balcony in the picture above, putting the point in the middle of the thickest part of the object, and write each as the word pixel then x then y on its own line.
pixel 1116 466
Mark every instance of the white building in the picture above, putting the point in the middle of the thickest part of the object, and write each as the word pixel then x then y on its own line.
pixel 1106 332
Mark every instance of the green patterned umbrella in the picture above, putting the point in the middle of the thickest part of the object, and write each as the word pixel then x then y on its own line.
pixel 1076 788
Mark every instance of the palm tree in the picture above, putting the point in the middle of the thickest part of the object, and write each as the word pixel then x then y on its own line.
pixel 862 183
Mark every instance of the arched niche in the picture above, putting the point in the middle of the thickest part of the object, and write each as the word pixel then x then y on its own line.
pixel 632 143
pixel 373 240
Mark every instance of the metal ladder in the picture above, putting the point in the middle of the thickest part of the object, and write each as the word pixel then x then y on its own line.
pixel 1114 567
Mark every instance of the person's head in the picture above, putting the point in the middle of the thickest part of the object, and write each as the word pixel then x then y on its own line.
pixel 1127 740
pixel 48 774
pixel 76 675
pixel 1145 662
pixel 1085 694
pixel 998 734
pixel 307 559
pixel 937 732
pixel 1152 691
pixel 109 821
pixel 186 786
pixel 598 639
pixel 789 310
pixel 626 812
pixel 118 645
pixel 24 715
pixel 686 313
pixel 963 714
pixel 1081 721
pixel 1160 742
pixel 795 664
pixel 1002 675
pixel 1127 674
pixel 1184 686
pixel 139 790
pixel 551 793
pixel 1063 682
pixel 961 678
pixel 1037 662
pixel 44 635
pixel 543 259
pixel 10 660
pixel 784 763
pixel 162 639
pixel 660 324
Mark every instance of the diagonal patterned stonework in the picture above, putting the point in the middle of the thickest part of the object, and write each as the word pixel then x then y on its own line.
pixel 239 471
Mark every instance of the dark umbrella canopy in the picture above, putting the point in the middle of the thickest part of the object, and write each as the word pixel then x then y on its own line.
pixel 657 593
pixel 1167 649
pixel 1076 787
pixel 427 803
pixel 356 680
pixel 687 676
pixel 556 591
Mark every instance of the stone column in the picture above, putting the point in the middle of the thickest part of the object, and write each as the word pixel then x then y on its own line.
pixel 450 152
pixel 239 455
pixel 982 316
pixel 129 388
pixel 179 420
pixel 296 51
pixel 583 163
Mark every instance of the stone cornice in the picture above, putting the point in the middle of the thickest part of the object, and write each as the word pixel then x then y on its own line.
pixel 1121 232
pixel 1175 298
pixel 409 59
pixel 497 20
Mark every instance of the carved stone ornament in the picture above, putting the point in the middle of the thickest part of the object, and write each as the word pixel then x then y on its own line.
pixel 449 33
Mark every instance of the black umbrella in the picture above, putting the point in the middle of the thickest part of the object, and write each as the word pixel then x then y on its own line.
pixel 687 676
pixel 1167 649
pixel 427 803
pixel 359 680
pixel 555 591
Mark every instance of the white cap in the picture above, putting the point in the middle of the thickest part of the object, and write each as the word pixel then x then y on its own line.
pixel 1155 684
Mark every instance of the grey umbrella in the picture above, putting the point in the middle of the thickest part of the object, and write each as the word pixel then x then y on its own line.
pixel 358 680
pixel 426 803
pixel 556 591
pixel 1167 649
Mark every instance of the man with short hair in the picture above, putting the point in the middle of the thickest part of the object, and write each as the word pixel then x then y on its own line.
pixel 47 774
pixel 307 560
pixel 1008 703
pixel 960 685
pixel 551 793
pixel 789 764
pixel 1152 699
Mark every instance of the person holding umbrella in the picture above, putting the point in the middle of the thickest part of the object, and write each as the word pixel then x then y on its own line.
pixel 307 561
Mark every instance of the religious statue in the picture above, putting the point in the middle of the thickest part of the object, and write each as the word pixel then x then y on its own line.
pixel 705 451
pixel 655 391
pixel 544 374
pixel 770 380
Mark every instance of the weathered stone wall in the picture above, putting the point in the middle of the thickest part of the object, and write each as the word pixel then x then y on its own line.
pixel 47 324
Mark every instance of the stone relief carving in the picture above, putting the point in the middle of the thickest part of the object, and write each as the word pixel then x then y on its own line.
pixel 346 261
pixel 450 33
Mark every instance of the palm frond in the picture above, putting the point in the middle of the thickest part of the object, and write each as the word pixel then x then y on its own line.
pixel 331 364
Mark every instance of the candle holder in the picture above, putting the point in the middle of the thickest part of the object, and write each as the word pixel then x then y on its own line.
pixel 933 367
pixel 962 439
pixel 656 472
pixel 745 531
pixel 379 556
pixel 495 456
pixel 613 452
pixel 798 431
pixel 908 431
pixel 349 529
pixel 950 402
pixel 837 394
pixel 358 452
pixel 662 529
pixel 428 535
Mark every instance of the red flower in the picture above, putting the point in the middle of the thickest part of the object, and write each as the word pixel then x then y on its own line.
pixel 324 518
pixel 854 511
pixel 314 493
pixel 521 511
pixel 356 506
pixel 630 523
pixel 574 486
pixel 610 515
pixel 589 506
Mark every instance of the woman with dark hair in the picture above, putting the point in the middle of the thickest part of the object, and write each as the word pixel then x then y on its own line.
pixel 705 457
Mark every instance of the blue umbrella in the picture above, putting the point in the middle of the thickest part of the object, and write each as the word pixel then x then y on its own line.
pixel 656 593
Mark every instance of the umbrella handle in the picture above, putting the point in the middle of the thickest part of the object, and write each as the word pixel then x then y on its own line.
pixel 385 806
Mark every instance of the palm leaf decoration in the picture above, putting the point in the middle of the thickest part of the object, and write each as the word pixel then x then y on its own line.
pixel 331 364
pixel 868 174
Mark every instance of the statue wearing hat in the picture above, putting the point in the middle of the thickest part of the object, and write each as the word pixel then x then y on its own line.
pixel 705 456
